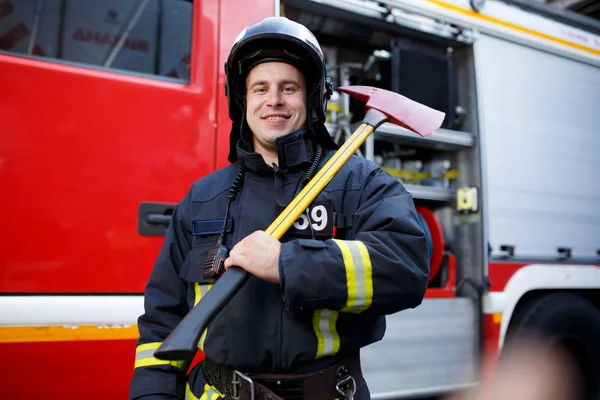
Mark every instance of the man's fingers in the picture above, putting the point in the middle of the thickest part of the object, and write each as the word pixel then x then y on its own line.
pixel 231 261
pixel 236 256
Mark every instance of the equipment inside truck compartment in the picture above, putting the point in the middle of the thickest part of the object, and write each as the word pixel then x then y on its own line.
pixel 419 65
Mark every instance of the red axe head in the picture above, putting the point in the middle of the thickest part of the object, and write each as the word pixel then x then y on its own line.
pixel 396 109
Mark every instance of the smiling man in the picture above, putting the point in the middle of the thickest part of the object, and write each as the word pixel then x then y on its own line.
pixel 275 105
pixel 315 297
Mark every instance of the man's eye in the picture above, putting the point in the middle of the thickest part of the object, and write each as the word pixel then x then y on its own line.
pixel 289 89
pixel 259 90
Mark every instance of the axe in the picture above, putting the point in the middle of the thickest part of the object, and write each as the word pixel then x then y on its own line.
pixel 381 106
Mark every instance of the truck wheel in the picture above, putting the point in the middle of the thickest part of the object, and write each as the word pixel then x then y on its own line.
pixel 572 322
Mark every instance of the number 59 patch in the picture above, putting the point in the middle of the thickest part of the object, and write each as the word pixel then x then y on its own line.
pixel 316 220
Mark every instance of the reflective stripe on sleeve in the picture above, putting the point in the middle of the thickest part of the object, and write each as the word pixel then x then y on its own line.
pixel 324 325
pixel 188 393
pixel 144 356
pixel 359 275
pixel 210 393
pixel 199 291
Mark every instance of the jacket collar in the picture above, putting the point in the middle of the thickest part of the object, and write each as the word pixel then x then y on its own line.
pixel 294 150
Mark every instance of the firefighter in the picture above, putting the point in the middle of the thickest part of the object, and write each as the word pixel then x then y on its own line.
pixel 315 297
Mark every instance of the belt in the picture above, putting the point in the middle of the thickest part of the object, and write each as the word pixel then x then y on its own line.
pixel 326 384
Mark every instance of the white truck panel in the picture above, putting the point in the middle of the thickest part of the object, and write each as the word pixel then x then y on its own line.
pixel 541 119
pixel 512 23
pixel 425 350
pixel 514 15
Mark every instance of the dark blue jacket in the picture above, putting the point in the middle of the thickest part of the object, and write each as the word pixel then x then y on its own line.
pixel 334 291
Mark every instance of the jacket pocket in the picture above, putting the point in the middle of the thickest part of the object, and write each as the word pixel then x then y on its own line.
pixel 192 269
pixel 192 272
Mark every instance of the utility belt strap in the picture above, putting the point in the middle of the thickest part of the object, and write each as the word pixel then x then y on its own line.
pixel 337 381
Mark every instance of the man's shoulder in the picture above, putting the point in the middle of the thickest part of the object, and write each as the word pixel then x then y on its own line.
pixel 210 186
pixel 353 174
pixel 361 165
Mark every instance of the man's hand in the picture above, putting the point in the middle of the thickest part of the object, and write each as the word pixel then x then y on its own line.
pixel 258 254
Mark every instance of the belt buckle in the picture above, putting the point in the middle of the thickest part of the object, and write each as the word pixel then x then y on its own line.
pixel 346 385
pixel 237 385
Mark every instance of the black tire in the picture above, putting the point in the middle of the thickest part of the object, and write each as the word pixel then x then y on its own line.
pixel 573 323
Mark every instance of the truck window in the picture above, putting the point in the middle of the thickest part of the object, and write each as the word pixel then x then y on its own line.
pixel 143 36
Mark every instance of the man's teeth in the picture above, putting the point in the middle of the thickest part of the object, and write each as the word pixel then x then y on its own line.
pixel 276 117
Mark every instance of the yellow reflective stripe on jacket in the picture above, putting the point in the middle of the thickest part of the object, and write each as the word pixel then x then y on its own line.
pixel 324 325
pixel 144 356
pixel 188 393
pixel 210 393
pixel 199 291
pixel 359 275
pixel 202 339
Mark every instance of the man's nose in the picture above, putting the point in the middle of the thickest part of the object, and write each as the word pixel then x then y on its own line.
pixel 275 98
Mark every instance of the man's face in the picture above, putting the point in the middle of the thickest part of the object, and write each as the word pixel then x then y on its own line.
pixel 275 102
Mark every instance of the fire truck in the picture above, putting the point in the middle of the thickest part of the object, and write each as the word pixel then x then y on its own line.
pixel 110 109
